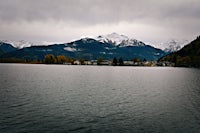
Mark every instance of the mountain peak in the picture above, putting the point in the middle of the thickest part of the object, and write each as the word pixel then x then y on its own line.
pixel 174 45
pixel 119 40
pixel 18 44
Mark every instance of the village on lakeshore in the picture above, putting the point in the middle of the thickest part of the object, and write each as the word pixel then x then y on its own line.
pixel 125 63
pixel 61 59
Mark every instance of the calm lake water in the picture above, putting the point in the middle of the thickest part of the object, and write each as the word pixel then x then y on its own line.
pixel 61 98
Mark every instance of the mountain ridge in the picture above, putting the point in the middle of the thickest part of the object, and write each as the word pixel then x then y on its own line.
pixel 87 48
pixel 113 38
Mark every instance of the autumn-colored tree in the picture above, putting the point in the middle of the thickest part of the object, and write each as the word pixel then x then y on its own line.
pixel 50 59
pixel 61 59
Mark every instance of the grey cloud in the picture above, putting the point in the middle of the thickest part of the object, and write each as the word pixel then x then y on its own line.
pixel 96 11
pixel 180 16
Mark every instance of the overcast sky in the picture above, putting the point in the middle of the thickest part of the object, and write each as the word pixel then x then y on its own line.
pixel 152 21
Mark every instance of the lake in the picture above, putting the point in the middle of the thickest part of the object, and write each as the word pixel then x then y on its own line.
pixel 63 98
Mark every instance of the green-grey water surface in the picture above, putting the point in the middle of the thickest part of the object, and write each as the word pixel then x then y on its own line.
pixel 62 98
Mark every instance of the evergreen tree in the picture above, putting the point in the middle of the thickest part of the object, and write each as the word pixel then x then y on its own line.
pixel 99 61
pixel 121 62
pixel 114 62
pixel 144 60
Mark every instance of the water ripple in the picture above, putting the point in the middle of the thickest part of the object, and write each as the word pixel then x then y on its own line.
pixel 52 98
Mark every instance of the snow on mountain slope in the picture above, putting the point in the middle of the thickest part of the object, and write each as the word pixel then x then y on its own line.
pixel 18 44
pixel 119 40
pixel 114 39
pixel 23 44
pixel 174 45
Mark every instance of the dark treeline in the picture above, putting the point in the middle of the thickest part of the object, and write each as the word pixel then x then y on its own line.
pixel 61 59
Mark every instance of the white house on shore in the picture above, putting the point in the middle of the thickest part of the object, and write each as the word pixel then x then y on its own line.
pixel 76 62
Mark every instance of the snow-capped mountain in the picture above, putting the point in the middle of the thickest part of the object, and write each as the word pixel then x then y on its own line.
pixel 119 40
pixel 18 44
pixel 89 49
pixel 174 45
pixel 114 39
pixel 24 44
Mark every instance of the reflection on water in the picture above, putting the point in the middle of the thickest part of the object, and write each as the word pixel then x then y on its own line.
pixel 55 98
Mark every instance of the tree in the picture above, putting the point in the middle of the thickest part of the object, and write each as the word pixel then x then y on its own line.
pixel 121 62
pixel 82 61
pixel 136 59
pixel 99 61
pixel 184 61
pixel 50 59
pixel 70 60
pixel 114 61
pixel 61 59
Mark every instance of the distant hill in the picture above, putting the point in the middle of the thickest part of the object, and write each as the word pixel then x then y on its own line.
pixel 188 56
pixel 6 48
pixel 89 49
